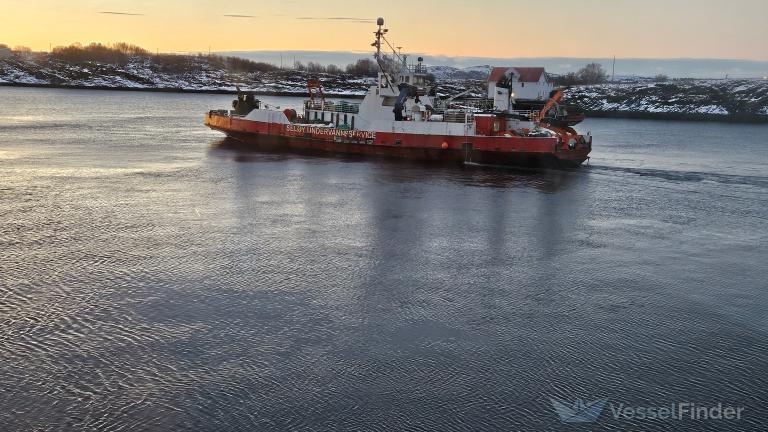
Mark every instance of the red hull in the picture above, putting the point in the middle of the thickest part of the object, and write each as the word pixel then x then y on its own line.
pixel 490 150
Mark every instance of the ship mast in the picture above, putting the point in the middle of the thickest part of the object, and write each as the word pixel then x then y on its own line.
pixel 377 44
pixel 379 34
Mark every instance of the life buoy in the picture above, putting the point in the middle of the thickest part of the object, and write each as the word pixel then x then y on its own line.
pixel 290 113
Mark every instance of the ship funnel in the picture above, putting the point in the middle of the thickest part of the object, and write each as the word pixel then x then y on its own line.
pixel 380 21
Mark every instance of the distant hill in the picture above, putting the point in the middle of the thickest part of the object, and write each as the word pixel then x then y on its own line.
pixel 648 67
pixel 454 73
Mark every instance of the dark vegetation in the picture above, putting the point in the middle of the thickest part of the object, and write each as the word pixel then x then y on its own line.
pixel 592 73
pixel 121 53
pixel 18 49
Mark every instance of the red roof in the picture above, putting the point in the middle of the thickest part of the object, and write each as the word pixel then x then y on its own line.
pixel 497 73
pixel 525 74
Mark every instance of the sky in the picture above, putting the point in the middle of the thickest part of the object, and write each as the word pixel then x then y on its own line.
pixel 733 29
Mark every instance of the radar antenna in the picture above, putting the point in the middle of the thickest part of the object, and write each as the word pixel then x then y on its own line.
pixel 377 44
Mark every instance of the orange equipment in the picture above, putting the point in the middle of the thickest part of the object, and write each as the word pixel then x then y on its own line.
pixel 315 90
pixel 554 99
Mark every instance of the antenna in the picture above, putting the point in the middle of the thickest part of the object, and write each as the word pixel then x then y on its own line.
pixel 377 44
pixel 379 33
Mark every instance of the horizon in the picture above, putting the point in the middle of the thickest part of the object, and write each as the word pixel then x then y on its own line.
pixel 454 29
pixel 673 67
pixel 707 68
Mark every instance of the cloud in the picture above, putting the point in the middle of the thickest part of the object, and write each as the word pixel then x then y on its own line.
pixel 120 13
pixel 348 19
pixel 238 16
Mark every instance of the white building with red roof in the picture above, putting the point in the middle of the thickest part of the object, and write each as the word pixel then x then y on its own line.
pixel 525 83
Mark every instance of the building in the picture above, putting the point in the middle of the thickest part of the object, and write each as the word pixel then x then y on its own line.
pixel 5 53
pixel 525 83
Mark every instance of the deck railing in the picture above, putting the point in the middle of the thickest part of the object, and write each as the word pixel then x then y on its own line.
pixel 341 107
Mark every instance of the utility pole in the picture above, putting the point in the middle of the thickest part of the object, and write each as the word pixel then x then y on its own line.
pixel 281 61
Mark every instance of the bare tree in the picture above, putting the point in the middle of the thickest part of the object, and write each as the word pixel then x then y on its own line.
pixel 333 69
pixel 570 78
pixel 315 67
pixel 363 67
pixel 592 73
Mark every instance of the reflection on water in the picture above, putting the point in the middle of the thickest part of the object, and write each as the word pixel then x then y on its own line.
pixel 545 180
pixel 154 277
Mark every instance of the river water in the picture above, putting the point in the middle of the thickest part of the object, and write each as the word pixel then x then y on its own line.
pixel 155 277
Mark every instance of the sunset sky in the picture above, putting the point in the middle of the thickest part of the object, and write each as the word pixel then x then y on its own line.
pixel 491 28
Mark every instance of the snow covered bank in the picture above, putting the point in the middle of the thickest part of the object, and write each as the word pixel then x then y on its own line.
pixel 736 100
pixel 728 100
pixel 143 74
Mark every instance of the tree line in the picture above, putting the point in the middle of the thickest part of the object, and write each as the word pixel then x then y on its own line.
pixel 593 73
pixel 17 48
pixel 362 67
pixel 120 53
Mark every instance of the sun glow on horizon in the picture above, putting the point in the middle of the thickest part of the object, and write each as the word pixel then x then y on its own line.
pixel 490 28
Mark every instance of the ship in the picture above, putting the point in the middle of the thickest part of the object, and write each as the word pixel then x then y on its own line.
pixel 402 116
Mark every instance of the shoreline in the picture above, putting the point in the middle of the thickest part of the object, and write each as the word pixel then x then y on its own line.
pixel 678 116
pixel 172 90
pixel 673 116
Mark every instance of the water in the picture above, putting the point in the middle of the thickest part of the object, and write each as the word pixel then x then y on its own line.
pixel 155 278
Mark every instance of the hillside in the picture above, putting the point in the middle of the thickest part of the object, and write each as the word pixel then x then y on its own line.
pixel 745 100
pixel 729 100
pixel 190 73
